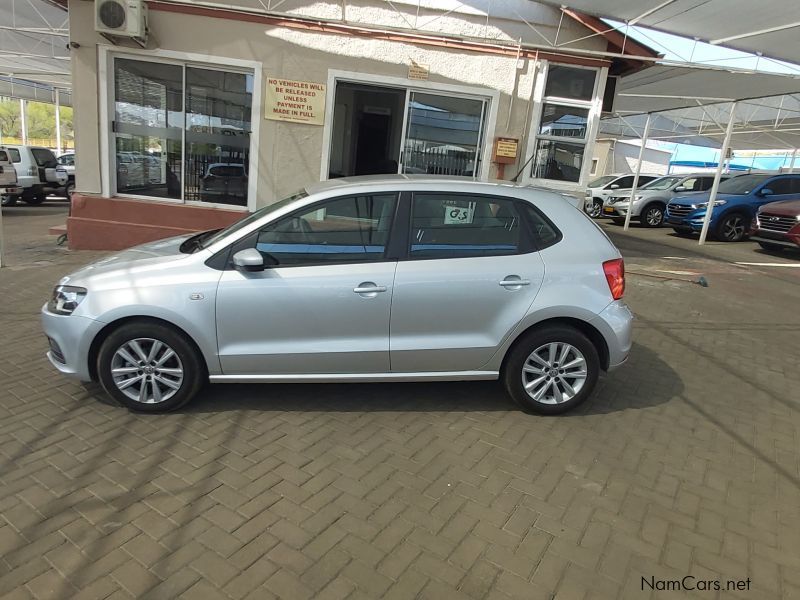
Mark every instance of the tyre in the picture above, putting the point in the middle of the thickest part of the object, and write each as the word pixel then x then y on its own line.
pixel 35 200
pixel 771 247
pixel 732 228
pixel 68 190
pixel 551 370
pixel 149 367
pixel 8 200
pixel 597 208
pixel 682 232
pixel 652 215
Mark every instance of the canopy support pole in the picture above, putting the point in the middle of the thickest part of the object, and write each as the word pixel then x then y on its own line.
pixel 718 173
pixel 58 122
pixel 791 163
pixel 635 185
pixel 23 122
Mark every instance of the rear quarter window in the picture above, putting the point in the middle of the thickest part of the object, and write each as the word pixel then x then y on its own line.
pixel 43 157
pixel 544 231
pixel 3 156
pixel 14 154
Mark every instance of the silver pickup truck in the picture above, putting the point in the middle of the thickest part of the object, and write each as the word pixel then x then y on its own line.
pixel 9 188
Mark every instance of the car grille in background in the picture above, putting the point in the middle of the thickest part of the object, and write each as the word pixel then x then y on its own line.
pixel 679 210
pixel 55 350
pixel 776 222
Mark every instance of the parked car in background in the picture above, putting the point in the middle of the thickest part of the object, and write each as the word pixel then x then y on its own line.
pixel 36 172
pixel 452 279
pixel 603 187
pixel 650 203
pixel 9 188
pixel 225 183
pixel 735 207
pixel 777 225
pixel 65 173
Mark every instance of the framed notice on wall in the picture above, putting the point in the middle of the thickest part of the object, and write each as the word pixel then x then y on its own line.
pixel 295 101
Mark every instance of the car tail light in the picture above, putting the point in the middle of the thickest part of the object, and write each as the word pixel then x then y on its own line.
pixel 615 276
pixel 31 171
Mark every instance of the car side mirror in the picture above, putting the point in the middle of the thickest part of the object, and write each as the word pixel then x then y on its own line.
pixel 765 192
pixel 248 260
pixel 613 186
pixel 680 188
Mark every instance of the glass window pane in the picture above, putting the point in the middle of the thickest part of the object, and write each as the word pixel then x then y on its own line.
pixel 557 160
pixel 544 231
pixel 148 115
pixel 444 135
pixel 218 109
pixel 564 121
pixel 570 82
pixel 453 226
pixel 354 229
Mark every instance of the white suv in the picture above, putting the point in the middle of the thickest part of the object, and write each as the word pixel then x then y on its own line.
pixel 36 172
pixel 600 189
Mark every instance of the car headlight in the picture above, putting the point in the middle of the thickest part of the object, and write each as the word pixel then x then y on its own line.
pixel 65 299
pixel 716 203
pixel 637 197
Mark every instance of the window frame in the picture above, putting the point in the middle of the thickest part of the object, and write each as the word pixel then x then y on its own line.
pixel 108 53
pixel 539 99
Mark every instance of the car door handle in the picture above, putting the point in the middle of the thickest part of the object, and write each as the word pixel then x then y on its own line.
pixel 369 288
pixel 508 282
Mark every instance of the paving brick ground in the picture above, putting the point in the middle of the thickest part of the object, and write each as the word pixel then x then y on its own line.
pixel 684 463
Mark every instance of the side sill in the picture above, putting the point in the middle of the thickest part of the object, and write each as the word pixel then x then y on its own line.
pixel 357 377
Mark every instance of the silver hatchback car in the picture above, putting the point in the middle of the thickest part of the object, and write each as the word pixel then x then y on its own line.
pixel 397 278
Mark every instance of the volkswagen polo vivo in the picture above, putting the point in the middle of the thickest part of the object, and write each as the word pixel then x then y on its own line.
pixel 398 278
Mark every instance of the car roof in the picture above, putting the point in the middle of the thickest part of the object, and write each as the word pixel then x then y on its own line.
pixel 410 181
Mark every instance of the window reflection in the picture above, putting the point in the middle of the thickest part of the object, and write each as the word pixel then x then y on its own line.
pixel 557 160
pixel 564 121
pixel 570 82
pixel 148 122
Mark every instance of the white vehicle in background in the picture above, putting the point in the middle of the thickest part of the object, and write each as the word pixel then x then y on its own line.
pixel 65 173
pixel 36 173
pixel 600 189
pixel 9 189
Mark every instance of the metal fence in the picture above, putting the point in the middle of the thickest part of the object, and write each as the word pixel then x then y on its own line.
pixel 439 161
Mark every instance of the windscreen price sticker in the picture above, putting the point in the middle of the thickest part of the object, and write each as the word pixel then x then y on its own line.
pixel 457 215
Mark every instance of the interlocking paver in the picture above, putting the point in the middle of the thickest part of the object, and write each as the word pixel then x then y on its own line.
pixel 685 462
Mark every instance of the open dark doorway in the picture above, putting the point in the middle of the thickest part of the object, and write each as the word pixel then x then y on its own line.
pixel 367 130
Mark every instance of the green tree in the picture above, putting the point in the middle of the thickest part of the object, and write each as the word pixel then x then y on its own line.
pixel 41 120
pixel 9 118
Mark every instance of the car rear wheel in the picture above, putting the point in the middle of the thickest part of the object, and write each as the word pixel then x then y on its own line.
pixel 551 370
pixel 652 215
pixel 771 247
pixel 732 228
pixel 35 200
pixel 69 190
pixel 8 200
pixel 149 367
pixel 597 208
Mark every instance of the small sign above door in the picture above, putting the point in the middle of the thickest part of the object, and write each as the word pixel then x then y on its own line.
pixel 295 101
pixel 418 71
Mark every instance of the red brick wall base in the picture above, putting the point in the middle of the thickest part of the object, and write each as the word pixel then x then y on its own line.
pixel 97 223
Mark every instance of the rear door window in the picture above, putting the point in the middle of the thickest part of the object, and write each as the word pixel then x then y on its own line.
pixel 464 225
pixel 44 157
pixel 14 153
pixel 3 156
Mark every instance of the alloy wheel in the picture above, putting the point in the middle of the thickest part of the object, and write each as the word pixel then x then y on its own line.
pixel 654 216
pixel 597 208
pixel 554 373
pixel 147 370
pixel 733 228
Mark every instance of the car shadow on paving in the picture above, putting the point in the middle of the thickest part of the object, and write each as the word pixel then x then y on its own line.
pixel 622 389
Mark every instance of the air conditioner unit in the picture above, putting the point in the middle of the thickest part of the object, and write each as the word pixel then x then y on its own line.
pixel 116 19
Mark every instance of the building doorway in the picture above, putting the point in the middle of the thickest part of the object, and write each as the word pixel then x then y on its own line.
pixel 385 129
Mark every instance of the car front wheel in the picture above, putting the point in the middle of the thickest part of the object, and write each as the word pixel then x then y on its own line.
pixel 652 216
pixel 597 208
pixel 733 228
pixel 552 370
pixel 149 367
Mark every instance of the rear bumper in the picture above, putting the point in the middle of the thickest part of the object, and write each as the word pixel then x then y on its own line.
pixel 615 323
pixel 10 190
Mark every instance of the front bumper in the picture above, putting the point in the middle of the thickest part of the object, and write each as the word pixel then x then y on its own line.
pixel 691 222
pixel 790 239
pixel 615 323
pixel 71 335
